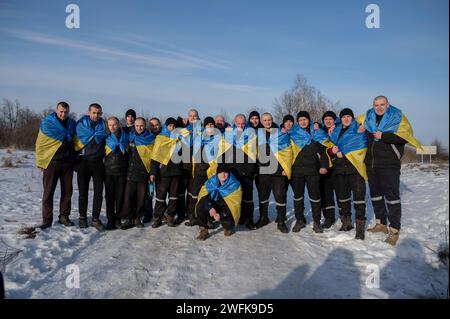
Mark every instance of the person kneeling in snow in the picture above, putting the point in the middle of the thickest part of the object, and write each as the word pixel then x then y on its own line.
pixel 220 198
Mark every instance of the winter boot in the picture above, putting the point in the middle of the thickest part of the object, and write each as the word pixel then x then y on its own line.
pixel 299 225
pixel 329 218
pixel 170 221
pixel 110 225
pixel 346 223
pixel 157 222
pixel 393 236
pixel 137 222
pixel 249 224
pixel 282 227
pixel 317 228
pixel 127 224
pixel 203 234
pixel 45 225
pixel 378 228
pixel 228 232
pixel 64 219
pixel 360 228
pixel 263 217
pixel 82 222
pixel 97 224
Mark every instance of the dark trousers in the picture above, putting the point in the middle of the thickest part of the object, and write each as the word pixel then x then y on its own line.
pixel 345 185
pixel 194 188
pixel 62 171
pixel 183 200
pixel 114 195
pixel 86 170
pixel 327 196
pixel 247 206
pixel 384 187
pixel 166 186
pixel 202 213
pixel 135 195
pixel 278 185
pixel 312 182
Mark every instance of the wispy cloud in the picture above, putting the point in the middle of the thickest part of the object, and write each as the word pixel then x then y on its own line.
pixel 174 51
pixel 236 87
pixel 166 59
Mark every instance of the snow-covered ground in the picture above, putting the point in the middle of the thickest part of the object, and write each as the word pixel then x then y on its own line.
pixel 170 263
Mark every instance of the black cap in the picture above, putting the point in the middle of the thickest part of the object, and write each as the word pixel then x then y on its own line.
pixel 171 120
pixel 328 114
pixel 222 168
pixel 253 113
pixel 208 120
pixel 303 114
pixel 288 117
pixel 346 111
pixel 130 112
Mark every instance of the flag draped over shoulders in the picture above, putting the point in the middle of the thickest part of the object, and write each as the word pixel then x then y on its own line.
pixel 299 139
pixel 245 140
pixel 393 121
pixel 84 132
pixel 353 145
pixel 144 144
pixel 111 142
pixel 52 134
pixel 280 145
pixel 230 191
pixel 166 143
pixel 206 149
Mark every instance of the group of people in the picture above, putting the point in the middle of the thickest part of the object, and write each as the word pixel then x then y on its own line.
pixel 203 172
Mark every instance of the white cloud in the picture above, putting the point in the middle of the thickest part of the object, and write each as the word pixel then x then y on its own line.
pixel 167 59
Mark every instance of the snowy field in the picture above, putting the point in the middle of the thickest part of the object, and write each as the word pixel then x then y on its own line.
pixel 170 263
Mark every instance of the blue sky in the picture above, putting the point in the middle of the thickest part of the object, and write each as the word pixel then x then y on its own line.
pixel 162 57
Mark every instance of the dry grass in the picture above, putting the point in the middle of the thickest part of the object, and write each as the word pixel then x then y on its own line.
pixel 7 162
pixel 29 232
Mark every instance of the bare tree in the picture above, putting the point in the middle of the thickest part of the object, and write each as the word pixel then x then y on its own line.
pixel 442 152
pixel 303 97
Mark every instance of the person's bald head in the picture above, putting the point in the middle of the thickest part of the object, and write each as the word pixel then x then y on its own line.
pixel 193 115
pixel 239 121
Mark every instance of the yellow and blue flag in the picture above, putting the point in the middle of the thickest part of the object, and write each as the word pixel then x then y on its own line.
pixel 209 144
pixel 246 141
pixel 166 144
pixel 84 132
pixel 230 191
pixel 280 145
pixel 111 142
pixel 353 145
pixel 144 144
pixel 299 139
pixel 50 137
pixel 393 121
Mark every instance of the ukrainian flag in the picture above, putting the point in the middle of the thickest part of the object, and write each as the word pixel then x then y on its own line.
pixel 280 145
pixel 84 132
pixel 112 142
pixel 230 191
pixel 210 145
pixel 320 136
pixel 299 139
pixel 247 142
pixel 50 137
pixel 393 121
pixel 166 143
pixel 144 145
pixel 353 145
